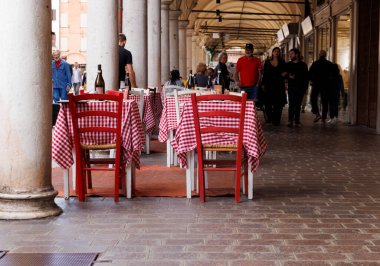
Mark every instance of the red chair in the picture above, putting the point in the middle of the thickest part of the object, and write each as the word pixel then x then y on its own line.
pixel 82 129
pixel 201 128
pixel 112 92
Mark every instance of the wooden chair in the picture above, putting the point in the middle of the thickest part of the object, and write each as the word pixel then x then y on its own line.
pixel 84 164
pixel 221 164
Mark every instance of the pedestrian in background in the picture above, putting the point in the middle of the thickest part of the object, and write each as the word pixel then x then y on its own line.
pixel 248 72
pixel 272 93
pixel 61 77
pixel 321 77
pixel 298 81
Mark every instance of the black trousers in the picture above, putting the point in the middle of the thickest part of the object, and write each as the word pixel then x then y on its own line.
pixel 295 101
pixel 273 112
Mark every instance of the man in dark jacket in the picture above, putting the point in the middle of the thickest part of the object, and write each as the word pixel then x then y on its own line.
pixel 321 77
pixel 298 80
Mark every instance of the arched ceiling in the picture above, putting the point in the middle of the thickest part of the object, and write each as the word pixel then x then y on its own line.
pixel 242 21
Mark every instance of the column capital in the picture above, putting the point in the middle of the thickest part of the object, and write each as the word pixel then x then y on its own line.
pixel 165 4
pixel 182 24
pixel 174 14
pixel 189 32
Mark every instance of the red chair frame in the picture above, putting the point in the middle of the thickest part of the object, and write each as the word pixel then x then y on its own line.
pixel 238 148
pixel 83 160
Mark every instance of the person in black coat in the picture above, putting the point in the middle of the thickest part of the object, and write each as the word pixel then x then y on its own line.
pixel 272 93
pixel 298 80
pixel 321 74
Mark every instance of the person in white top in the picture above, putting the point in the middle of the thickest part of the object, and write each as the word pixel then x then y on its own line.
pixel 76 78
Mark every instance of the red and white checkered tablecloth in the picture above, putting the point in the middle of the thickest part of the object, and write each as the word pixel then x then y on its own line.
pixel 132 134
pixel 148 112
pixel 168 120
pixel 157 106
pixel 253 138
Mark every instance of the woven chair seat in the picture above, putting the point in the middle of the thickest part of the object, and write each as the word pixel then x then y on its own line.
pixel 220 147
pixel 98 147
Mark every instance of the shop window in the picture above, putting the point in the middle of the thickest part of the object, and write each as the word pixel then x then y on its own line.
pixel 83 44
pixel 64 44
pixel 324 38
pixel 64 20
pixel 83 20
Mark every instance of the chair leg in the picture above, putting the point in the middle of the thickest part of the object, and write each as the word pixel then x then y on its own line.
pixel 171 136
pixel 192 167
pixel 246 178
pixel 237 184
pixel 117 182
pixel 88 174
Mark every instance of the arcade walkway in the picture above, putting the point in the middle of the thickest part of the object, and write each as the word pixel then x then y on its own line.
pixel 316 202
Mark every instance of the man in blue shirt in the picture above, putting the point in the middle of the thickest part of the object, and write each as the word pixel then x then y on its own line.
pixel 61 77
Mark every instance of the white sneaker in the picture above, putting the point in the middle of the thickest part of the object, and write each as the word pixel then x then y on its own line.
pixel 332 121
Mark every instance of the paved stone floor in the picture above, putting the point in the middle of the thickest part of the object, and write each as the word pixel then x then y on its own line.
pixel 316 202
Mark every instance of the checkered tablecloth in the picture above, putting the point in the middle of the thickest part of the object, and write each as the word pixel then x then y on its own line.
pixel 253 138
pixel 168 120
pixel 148 112
pixel 132 134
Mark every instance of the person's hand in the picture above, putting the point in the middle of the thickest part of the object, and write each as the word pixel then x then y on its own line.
pixel 68 88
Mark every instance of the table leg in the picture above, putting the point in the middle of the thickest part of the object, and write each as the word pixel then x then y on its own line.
pixel 188 175
pixel 66 185
pixel 147 144
pixel 250 182
pixel 168 149
pixel 129 180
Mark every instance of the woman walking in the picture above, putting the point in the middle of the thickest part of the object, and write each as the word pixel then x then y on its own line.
pixel 273 87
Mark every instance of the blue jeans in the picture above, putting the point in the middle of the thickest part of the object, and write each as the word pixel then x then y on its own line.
pixel 251 92
pixel 59 94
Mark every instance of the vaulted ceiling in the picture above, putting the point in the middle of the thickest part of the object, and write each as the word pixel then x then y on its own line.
pixel 239 21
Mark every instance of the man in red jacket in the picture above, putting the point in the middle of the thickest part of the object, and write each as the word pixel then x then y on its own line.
pixel 248 72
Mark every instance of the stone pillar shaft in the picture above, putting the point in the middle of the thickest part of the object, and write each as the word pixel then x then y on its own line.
pixel 189 48
pixel 154 43
pixel 135 28
pixel 173 39
pixel 102 45
pixel 165 54
pixel 182 46
pixel 26 191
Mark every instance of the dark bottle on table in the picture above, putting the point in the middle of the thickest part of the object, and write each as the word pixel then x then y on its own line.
pixel 99 82
pixel 127 82
pixel 209 82
pixel 190 84
pixel 219 83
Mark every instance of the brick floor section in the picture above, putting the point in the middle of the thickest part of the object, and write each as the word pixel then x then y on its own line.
pixel 316 202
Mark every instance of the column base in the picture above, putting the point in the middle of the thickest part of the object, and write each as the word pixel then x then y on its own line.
pixel 28 205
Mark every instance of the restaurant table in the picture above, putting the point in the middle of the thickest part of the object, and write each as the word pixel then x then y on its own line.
pixel 132 133
pixel 254 142
pixel 157 109
pixel 168 123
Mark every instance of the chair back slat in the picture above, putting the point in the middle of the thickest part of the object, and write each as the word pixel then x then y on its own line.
pixel 219 113
pixel 97 129
pixel 219 129
pixel 219 97
pixel 96 113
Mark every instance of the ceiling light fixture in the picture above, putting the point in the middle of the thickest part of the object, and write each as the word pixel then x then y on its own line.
pixel 218 12
pixel 220 19
pixel 218 1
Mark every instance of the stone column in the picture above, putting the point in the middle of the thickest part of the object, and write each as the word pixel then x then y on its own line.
pixel 26 191
pixel 154 43
pixel 102 43
pixel 135 28
pixel 194 52
pixel 182 24
pixel 189 49
pixel 165 56
pixel 173 39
